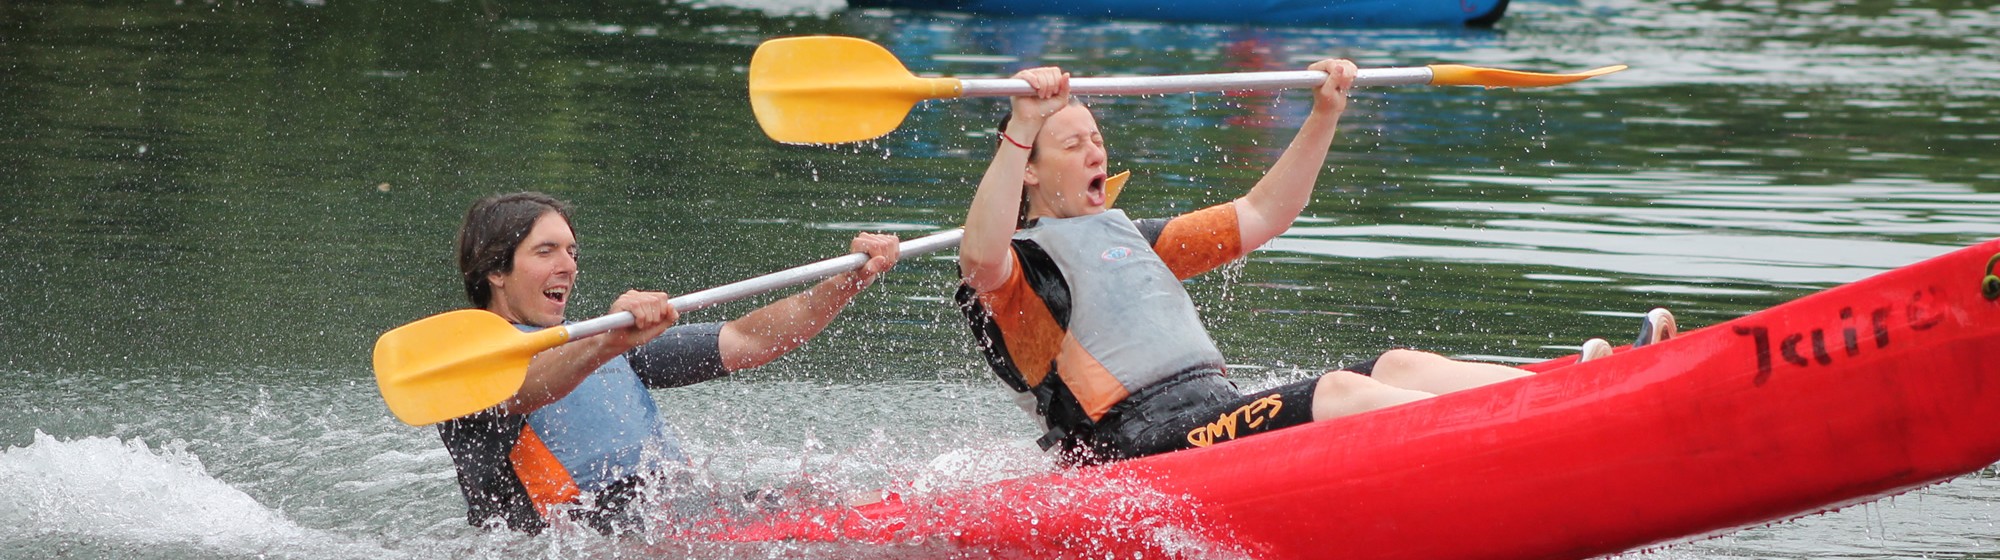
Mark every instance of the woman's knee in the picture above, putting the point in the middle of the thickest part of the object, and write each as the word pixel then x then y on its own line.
pixel 1341 393
pixel 1403 360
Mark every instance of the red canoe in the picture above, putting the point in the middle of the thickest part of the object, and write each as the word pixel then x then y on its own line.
pixel 1842 397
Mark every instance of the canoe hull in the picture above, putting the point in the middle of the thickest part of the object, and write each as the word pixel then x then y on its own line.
pixel 1841 397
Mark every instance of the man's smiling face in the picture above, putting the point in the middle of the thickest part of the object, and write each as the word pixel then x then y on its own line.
pixel 537 289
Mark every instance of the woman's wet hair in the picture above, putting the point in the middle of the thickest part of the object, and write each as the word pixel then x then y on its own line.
pixel 1021 218
pixel 494 227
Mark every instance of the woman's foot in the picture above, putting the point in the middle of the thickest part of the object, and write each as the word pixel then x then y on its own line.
pixel 1657 327
pixel 1593 349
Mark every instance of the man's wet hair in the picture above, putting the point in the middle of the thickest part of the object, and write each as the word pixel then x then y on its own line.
pixel 494 227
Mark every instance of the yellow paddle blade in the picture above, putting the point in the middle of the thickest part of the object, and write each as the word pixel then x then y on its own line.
pixel 826 89
pixel 1462 75
pixel 456 363
pixel 1113 185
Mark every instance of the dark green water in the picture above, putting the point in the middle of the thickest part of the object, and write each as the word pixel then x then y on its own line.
pixel 212 210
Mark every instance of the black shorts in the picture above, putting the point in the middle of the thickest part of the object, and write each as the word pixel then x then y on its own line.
pixel 1197 410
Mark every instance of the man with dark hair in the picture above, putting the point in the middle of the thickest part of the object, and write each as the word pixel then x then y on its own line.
pixel 582 437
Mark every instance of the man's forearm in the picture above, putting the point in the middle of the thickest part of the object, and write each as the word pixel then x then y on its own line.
pixel 770 331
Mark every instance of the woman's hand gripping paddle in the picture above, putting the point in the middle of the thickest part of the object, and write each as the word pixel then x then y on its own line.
pixel 460 362
pixel 827 89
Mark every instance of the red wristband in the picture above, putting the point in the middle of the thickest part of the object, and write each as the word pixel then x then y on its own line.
pixel 1016 143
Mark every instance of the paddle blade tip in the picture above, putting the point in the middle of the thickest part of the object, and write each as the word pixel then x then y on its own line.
pixel 828 89
pixel 811 132
pixel 1462 75
pixel 805 117
pixel 449 365
pixel 1114 185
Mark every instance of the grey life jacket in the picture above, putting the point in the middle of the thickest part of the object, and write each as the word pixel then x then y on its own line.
pixel 1127 321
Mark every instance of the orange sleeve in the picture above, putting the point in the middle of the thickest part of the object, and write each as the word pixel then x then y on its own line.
pixel 1006 300
pixel 1032 335
pixel 1201 240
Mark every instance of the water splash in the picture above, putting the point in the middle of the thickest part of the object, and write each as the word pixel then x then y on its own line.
pixel 107 489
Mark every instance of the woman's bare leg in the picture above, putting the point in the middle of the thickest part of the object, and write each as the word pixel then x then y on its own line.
pixel 1437 375
pixel 1341 393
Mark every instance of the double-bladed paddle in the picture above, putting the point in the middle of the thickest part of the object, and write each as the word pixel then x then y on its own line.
pixel 460 362
pixel 829 89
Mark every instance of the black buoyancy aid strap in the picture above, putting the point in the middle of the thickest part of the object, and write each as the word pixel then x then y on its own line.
pixel 1047 282
pixel 1053 401
pixel 1152 229
pixel 480 445
pixel 1058 407
pixel 1046 279
pixel 1069 425
pixel 613 513
pixel 992 343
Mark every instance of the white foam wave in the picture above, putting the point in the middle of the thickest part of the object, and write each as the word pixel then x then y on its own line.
pixel 108 489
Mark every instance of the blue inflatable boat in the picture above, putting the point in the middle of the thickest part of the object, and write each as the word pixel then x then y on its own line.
pixel 1345 13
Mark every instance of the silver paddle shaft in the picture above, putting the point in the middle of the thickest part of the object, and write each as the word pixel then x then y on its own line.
pixel 774 281
pixel 1187 83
